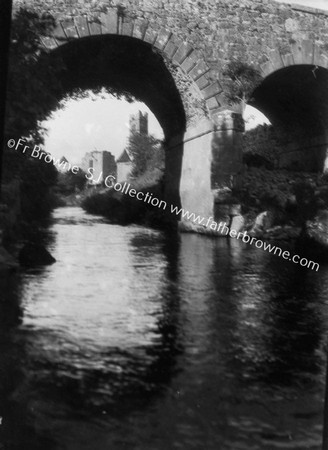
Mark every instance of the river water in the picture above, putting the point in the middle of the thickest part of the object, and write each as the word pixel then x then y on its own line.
pixel 135 339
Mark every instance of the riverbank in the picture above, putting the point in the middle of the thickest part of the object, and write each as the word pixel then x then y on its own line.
pixel 120 208
pixel 272 204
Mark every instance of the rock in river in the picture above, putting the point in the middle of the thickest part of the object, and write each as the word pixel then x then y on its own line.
pixel 35 254
pixel 316 232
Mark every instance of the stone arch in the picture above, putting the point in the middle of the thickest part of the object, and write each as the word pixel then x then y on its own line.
pixel 75 37
pixel 294 96
pixel 200 95
pixel 305 52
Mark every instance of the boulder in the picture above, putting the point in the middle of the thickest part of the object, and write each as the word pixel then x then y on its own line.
pixel 316 232
pixel 262 223
pixel 321 196
pixel 33 254
pixel 282 233
pixel 237 223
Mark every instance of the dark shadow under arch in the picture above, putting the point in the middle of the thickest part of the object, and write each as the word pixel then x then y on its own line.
pixel 295 100
pixel 124 64
pixel 295 97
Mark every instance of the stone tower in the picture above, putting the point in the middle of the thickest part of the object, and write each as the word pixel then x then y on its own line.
pixel 139 123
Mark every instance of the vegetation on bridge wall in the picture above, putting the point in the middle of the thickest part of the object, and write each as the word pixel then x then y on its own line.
pixel 218 31
pixel 31 88
pixel 262 147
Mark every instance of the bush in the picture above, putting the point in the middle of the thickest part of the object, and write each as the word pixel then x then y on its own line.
pixel 147 153
pixel 123 209
pixel 256 160
pixel 69 182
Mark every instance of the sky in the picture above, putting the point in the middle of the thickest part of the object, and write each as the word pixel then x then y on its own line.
pixel 320 4
pixel 91 124
pixel 85 125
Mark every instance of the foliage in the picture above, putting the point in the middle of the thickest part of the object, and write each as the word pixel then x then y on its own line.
pixel 146 152
pixel 265 188
pixel 33 84
pixel 265 141
pixel 123 209
pixel 33 90
pixel 256 160
pixel 324 178
pixel 242 80
pixel 295 196
pixel 107 204
pixel 305 196
pixel 37 180
pixel 69 182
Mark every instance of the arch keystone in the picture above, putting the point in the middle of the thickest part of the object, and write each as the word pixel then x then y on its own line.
pixel 59 34
pixel 162 38
pixel 296 48
pixel 323 61
pixel 267 68
pixel 316 54
pixel 109 22
pixel 198 70
pixel 288 59
pixel 127 27
pixel 140 28
pixel 49 42
pixel 189 62
pixel 82 26
pixel 211 90
pixel 94 27
pixel 212 103
pixel 202 82
pixel 221 98
pixel 172 46
pixel 150 36
pixel 69 29
pixel 276 59
pixel 182 52
pixel 307 51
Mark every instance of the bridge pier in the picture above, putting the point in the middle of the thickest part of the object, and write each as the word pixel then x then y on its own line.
pixel 211 165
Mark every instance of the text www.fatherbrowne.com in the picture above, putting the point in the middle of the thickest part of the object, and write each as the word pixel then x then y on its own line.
pixel 220 227
pixel 224 230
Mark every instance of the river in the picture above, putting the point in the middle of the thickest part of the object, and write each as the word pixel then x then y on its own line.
pixel 136 339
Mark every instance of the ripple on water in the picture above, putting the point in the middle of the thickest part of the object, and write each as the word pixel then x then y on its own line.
pixel 135 339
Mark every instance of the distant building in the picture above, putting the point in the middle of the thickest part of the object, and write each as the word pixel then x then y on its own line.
pixel 100 164
pixel 139 123
pixel 63 166
pixel 124 166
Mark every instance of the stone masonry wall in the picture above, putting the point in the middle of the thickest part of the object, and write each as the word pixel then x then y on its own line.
pixel 217 28
pixel 262 33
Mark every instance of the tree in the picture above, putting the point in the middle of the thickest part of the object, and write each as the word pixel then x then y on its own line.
pixel 146 152
pixel 69 182
pixel 33 91
pixel 33 81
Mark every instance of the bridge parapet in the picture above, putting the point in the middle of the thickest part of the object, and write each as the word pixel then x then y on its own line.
pixel 200 38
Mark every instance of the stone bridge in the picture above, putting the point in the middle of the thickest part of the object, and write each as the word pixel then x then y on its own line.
pixel 172 55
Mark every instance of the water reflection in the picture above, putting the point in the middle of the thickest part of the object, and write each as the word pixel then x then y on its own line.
pixel 145 340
